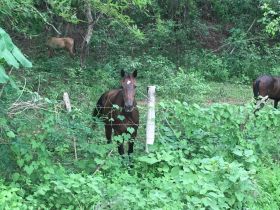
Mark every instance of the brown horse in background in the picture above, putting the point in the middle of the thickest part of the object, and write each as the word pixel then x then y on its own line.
pixel 119 111
pixel 66 43
pixel 267 86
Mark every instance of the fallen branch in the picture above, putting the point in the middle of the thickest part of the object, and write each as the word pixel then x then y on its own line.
pixel 246 33
pixel 238 41
pixel 260 104
pixel 99 166
pixel 19 107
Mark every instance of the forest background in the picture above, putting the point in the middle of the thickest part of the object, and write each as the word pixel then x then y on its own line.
pixel 210 151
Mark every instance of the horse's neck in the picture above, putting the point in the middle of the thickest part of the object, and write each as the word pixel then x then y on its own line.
pixel 115 97
pixel 119 98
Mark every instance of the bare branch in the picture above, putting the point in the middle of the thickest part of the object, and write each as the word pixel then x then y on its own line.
pixel 260 103
pixel 44 19
pixel 99 166
pixel 246 33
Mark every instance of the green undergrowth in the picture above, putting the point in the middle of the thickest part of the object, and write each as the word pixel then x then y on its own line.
pixel 210 151
pixel 215 157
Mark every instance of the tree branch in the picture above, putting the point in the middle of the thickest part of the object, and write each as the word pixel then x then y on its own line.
pixel 100 165
pixel 44 19
pixel 246 33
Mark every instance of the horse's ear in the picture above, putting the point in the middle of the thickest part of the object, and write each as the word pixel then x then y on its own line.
pixel 122 73
pixel 134 73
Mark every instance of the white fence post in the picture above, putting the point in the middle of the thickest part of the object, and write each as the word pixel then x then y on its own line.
pixel 67 103
pixel 150 129
pixel 66 100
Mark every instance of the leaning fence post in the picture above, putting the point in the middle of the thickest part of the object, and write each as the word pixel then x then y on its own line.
pixel 66 100
pixel 150 129
pixel 67 103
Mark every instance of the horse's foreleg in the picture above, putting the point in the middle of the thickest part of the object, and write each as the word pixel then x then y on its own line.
pixel 121 148
pixel 51 52
pixel 276 103
pixel 70 49
pixel 108 132
pixel 71 53
pixel 131 142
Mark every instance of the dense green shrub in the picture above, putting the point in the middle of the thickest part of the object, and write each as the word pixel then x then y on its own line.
pixel 204 157
pixel 207 156
pixel 190 87
pixel 268 179
pixel 10 198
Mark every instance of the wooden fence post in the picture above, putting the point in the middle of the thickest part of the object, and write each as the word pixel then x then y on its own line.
pixel 67 103
pixel 150 129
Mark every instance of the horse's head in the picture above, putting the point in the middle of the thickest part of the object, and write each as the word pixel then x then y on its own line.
pixel 128 83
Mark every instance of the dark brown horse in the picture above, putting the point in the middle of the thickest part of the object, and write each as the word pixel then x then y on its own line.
pixel 267 86
pixel 66 43
pixel 119 111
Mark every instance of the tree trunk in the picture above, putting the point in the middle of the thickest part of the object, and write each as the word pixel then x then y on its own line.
pixel 87 37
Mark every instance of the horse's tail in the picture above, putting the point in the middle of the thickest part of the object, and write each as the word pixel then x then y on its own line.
pixel 256 88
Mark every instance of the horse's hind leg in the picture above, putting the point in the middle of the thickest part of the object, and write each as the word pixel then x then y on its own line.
pixel 70 49
pixel 130 146
pixel 108 132
pixel 71 53
pixel 276 103
pixel 51 52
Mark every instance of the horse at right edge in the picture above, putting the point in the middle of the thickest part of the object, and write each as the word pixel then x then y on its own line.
pixel 267 86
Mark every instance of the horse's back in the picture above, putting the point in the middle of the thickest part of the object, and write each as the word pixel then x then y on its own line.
pixel 105 102
pixel 275 93
pixel 57 42
pixel 69 42
pixel 97 111
pixel 268 85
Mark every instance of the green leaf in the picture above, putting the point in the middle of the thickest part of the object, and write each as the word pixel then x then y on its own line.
pixel 10 53
pixel 237 152
pixel 148 159
pixel 126 136
pixel 116 106
pixel 11 134
pixel 20 162
pixel 3 76
pixel 29 169
pixel 248 152
pixel 20 57
pixel 121 117
pixel 118 138
pixel 130 130
pixel 175 171
pixel 15 176
pixel 9 58
pixel 240 196
pixel 167 157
